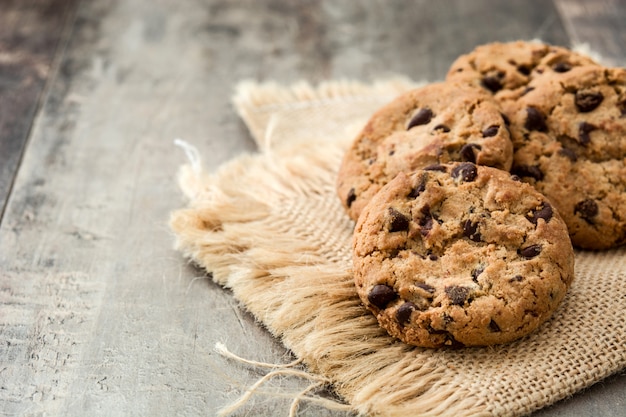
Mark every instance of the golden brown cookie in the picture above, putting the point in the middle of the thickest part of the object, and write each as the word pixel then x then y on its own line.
pixel 569 135
pixel 504 67
pixel 461 254
pixel 437 123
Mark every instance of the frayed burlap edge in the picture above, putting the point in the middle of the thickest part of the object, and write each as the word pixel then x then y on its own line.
pixel 270 228
pixel 262 106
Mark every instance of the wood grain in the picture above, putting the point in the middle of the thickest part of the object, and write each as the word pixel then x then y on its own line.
pixel 30 33
pixel 600 23
pixel 318 40
pixel 99 316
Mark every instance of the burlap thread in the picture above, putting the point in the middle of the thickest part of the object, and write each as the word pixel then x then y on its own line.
pixel 269 226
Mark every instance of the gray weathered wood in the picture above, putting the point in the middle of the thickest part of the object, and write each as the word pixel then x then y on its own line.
pixel 98 315
pixel 600 23
pixel 30 32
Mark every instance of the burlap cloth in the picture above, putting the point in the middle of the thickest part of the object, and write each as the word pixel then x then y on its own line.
pixel 270 227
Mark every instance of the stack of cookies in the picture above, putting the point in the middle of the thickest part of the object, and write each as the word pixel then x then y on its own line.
pixel 469 194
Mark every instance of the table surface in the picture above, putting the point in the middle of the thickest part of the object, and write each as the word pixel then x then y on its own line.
pixel 98 314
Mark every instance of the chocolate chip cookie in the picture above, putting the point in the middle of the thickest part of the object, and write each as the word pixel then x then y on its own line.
pixel 462 255
pixel 437 123
pixel 569 135
pixel 504 67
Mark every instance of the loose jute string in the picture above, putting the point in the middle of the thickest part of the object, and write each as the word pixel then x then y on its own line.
pixel 280 370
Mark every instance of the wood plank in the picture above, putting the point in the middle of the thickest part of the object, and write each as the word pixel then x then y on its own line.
pixel 99 315
pixel 422 38
pixel 30 33
pixel 598 23
pixel 318 40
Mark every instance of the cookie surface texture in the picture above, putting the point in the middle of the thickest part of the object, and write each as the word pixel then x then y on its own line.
pixel 569 136
pixel 437 123
pixel 501 68
pixel 461 255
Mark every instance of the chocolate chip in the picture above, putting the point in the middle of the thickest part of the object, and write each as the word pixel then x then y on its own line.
pixel 530 252
pixel 476 272
pixel 398 221
pixel 435 167
pixel 515 177
pixel 426 221
pixel 470 230
pixel 532 171
pixel 523 69
pixel 452 343
pixel 381 295
pixel 468 152
pixel 433 257
pixel 415 192
pixel 422 117
pixel 587 210
pixel 465 171
pixel 517 278
pixel 545 213
pixel 426 225
pixel 419 188
pixel 568 153
pixel 426 287
pixel 457 294
pixel 561 67
pixel 403 314
pixel 535 120
pixel 391 152
pixel 443 128
pixel 584 129
pixel 491 131
pixel 491 83
pixel 351 197
pixel 493 326
pixel 587 102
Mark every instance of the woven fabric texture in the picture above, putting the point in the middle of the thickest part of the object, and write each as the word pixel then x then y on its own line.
pixel 270 227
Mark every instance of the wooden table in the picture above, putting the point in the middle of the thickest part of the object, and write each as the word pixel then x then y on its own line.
pixel 98 315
